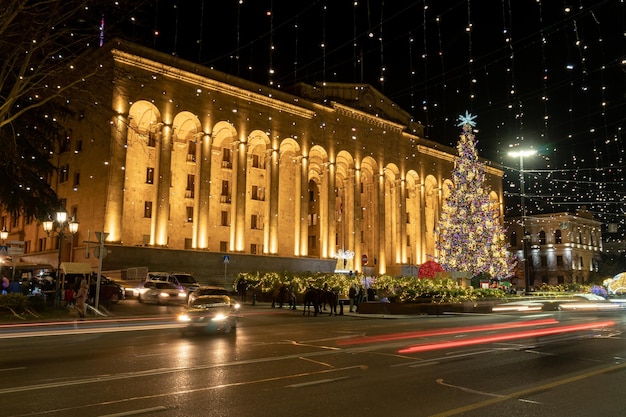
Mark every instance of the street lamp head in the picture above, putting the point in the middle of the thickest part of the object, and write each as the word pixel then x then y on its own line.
pixel 61 217
pixel 522 153
pixel 48 225
pixel 73 226
pixel 4 234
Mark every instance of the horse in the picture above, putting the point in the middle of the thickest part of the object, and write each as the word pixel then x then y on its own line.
pixel 329 297
pixel 311 298
pixel 316 298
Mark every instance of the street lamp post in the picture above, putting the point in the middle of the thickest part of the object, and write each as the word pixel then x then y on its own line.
pixel 522 153
pixel 58 225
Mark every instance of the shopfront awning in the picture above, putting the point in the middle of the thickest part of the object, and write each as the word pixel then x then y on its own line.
pixel 68 268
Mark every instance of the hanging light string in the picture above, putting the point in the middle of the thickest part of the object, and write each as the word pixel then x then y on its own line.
pixel 238 40
pixel 323 43
pixel 355 56
pixel 470 60
pixel 382 43
pixel 425 102
pixel 271 50
pixel 295 52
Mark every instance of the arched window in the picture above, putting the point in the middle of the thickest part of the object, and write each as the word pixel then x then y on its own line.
pixel 542 237
pixel 558 237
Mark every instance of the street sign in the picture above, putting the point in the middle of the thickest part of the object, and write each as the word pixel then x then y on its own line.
pixel 15 250
pixel 226 259
pixel 364 259
pixel 100 252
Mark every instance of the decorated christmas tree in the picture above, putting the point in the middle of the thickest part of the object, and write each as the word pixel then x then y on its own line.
pixel 470 236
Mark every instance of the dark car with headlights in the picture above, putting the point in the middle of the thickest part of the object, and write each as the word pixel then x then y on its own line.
pixel 208 290
pixel 210 313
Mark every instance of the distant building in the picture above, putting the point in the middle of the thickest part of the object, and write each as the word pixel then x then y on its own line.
pixel 563 248
pixel 185 168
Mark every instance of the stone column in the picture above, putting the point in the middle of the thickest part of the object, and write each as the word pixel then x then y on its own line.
pixel 117 174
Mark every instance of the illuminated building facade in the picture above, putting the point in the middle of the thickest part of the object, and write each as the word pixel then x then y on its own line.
pixel 175 155
pixel 564 247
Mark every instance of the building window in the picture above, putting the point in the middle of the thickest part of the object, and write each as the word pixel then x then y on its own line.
pixel 258 193
pixel 41 244
pixel 257 162
pixel 149 175
pixel 64 146
pixel 76 179
pixel 191 151
pixel 225 218
pixel 513 240
pixel 64 173
pixel 544 261
pixel 559 260
pixel 362 236
pixel 27 246
pixel 147 209
pixel 558 237
pixel 227 158
pixel 256 222
pixel 312 242
pixel 254 249
pixel 188 243
pixel 361 185
pixel 190 186
pixel 223 246
pixel 79 146
pixel 225 196
pixel 189 214
pixel 542 237
pixel 151 139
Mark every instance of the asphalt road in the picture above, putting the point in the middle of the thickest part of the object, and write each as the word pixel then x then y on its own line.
pixel 279 362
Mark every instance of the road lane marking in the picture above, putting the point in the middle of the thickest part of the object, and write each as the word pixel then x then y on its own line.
pixel 136 412
pixel 517 395
pixel 318 382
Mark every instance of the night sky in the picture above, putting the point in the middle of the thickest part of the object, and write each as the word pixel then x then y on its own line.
pixel 544 74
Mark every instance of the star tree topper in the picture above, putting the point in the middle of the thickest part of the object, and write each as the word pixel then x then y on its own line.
pixel 467 119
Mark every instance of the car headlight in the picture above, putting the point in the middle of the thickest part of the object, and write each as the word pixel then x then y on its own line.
pixel 164 295
pixel 236 306
pixel 219 317
pixel 184 317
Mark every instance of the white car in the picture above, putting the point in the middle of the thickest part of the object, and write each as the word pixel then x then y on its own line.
pixel 162 293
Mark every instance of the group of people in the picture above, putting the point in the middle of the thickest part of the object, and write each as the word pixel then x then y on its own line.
pixel 357 296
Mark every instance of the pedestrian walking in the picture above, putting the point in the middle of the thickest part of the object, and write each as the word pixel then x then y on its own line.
pixel 81 298
pixel 352 296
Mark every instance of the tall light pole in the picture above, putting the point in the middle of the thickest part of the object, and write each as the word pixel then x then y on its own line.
pixel 522 153
pixel 59 224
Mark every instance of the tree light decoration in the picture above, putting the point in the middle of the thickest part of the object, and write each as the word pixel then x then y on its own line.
pixel 470 236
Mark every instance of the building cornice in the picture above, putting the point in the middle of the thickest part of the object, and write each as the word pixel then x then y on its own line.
pixel 214 85
pixel 366 117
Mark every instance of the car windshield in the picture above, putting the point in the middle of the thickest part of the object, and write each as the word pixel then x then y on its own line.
pixel 212 291
pixel 165 286
pixel 211 301
pixel 186 279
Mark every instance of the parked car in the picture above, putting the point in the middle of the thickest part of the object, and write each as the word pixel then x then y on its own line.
pixel 210 313
pixel 110 291
pixel 208 290
pixel 180 279
pixel 161 293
